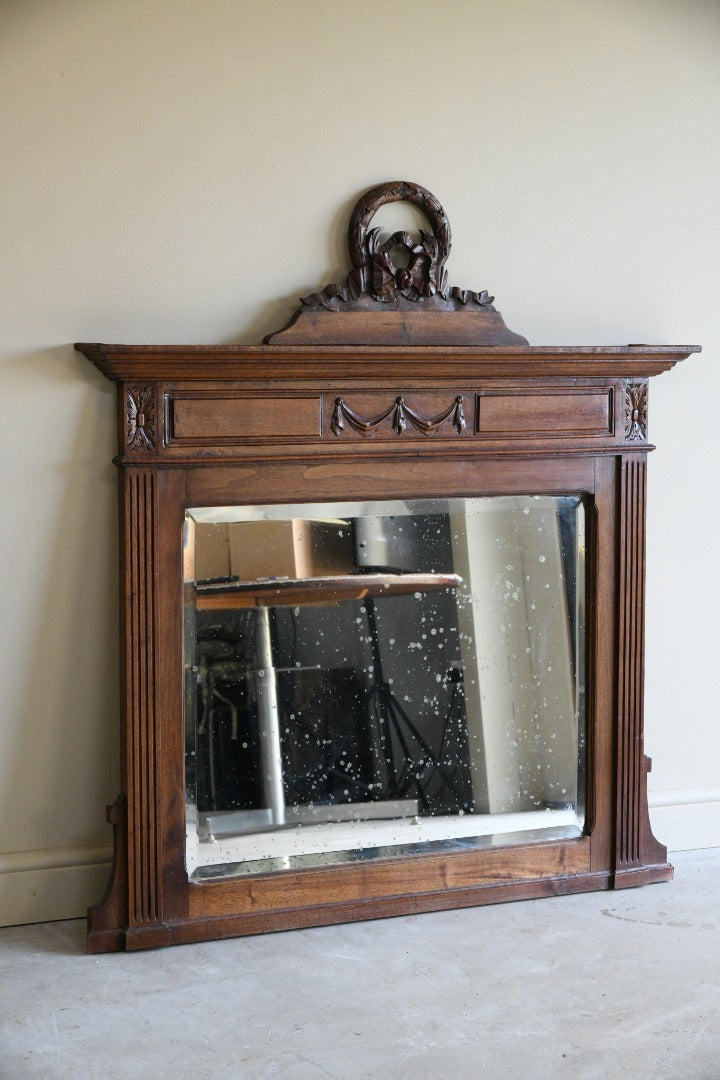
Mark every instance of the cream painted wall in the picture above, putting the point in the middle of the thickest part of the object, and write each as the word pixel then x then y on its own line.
pixel 180 171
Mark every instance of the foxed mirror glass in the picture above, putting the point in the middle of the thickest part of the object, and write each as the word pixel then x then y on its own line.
pixel 372 679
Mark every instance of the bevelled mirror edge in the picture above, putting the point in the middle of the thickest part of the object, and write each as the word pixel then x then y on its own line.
pixel 381 624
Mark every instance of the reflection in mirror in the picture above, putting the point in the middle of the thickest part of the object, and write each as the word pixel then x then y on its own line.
pixel 371 678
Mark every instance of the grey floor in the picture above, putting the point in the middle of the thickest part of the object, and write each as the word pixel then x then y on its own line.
pixel 607 985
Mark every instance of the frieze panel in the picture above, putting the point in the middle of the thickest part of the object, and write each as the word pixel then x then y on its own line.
pixel 400 414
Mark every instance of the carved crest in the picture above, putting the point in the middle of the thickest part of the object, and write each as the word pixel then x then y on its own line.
pixel 403 277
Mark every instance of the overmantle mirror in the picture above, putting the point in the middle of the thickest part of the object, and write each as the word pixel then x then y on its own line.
pixel 382 610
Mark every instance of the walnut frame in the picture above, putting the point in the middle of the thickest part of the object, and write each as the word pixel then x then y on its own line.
pixel 202 425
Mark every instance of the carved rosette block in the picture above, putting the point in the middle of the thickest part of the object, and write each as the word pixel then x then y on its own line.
pixel 400 415
pixel 140 409
pixel 636 411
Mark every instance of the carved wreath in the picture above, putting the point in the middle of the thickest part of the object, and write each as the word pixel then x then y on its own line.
pixel 401 268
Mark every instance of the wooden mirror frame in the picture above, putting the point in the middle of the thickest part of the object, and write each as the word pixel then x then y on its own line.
pixel 418 396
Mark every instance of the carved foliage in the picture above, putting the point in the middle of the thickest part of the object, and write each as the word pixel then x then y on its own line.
pixel 400 415
pixel 636 411
pixel 140 414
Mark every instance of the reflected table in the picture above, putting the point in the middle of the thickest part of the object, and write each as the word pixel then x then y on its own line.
pixel 264 594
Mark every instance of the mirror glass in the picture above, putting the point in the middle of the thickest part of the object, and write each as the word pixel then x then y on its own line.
pixel 369 679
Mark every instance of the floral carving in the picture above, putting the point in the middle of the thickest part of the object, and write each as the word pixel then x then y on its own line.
pixel 140 428
pixel 400 415
pixel 636 409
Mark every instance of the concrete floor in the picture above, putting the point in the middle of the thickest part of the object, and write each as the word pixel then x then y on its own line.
pixel 602 986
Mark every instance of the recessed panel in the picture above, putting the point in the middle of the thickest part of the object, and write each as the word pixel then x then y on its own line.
pixel 198 418
pixel 568 412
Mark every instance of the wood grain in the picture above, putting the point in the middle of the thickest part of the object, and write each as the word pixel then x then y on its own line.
pixel 202 418
pixel 528 412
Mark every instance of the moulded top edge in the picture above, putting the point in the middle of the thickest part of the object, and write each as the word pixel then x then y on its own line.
pixel 250 352
pixel 265 363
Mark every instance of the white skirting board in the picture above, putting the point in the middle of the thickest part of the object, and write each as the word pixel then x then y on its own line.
pixel 686 819
pixel 41 886
pixel 61 883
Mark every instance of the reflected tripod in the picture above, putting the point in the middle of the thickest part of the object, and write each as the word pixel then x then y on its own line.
pixel 391 718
